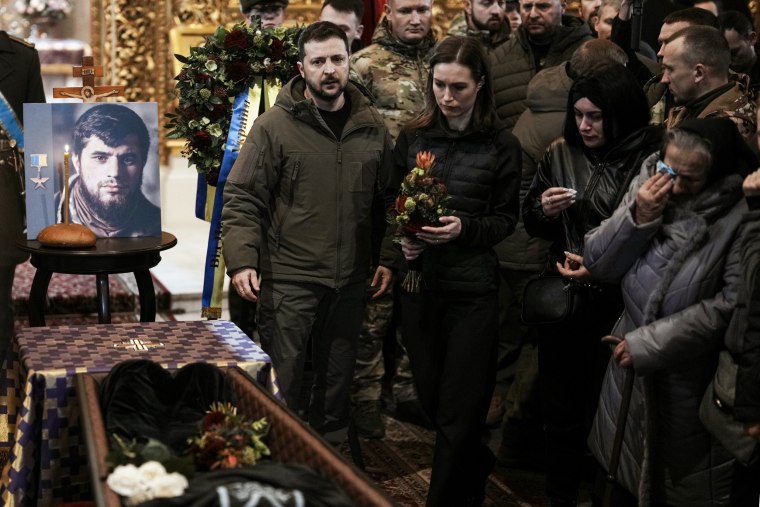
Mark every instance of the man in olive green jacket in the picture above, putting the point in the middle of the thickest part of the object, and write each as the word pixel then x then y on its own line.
pixel 302 212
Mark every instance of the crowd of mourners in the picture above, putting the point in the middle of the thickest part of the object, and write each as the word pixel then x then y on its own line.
pixel 592 286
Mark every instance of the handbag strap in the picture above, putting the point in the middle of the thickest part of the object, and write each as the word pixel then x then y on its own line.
pixel 572 242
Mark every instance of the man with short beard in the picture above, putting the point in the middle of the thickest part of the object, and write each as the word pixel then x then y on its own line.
pixel 742 41
pixel 302 221
pixel 483 19
pixel 111 146
pixel 546 38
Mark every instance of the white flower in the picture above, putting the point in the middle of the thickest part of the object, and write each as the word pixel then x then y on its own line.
pixel 149 481
pixel 125 480
pixel 150 470
pixel 169 485
pixel 215 130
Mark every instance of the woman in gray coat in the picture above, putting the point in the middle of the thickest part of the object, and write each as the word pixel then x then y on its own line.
pixel 672 246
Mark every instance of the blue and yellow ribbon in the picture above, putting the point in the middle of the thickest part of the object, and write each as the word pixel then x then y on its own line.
pixel 208 200
pixel 10 124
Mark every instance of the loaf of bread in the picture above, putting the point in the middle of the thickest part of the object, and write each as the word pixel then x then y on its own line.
pixel 66 236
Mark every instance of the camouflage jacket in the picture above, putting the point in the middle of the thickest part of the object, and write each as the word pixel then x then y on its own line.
pixel 396 75
pixel 460 26
pixel 736 104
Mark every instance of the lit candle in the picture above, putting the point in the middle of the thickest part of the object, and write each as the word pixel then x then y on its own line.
pixel 66 185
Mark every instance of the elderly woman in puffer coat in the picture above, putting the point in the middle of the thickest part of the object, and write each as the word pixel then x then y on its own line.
pixel 672 245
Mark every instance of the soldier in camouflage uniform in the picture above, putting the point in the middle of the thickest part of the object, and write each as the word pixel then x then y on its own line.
pixel 484 20
pixel 394 68
pixel 715 93
pixel 395 71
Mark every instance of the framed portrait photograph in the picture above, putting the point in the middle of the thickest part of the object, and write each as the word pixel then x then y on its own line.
pixel 95 164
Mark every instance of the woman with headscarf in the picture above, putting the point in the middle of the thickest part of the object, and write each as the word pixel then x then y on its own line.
pixel 580 181
pixel 672 245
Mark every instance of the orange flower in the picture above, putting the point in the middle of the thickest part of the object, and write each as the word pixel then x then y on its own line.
pixel 425 160
pixel 230 461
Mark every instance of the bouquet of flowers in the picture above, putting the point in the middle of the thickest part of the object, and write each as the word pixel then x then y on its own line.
pixel 214 74
pixel 55 9
pixel 229 440
pixel 421 201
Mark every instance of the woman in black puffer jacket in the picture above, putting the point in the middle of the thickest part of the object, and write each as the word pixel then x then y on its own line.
pixel 450 329
pixel 579 183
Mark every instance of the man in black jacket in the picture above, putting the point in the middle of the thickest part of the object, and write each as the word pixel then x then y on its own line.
pixel 742 41
pixel 20 82
pixel 544 39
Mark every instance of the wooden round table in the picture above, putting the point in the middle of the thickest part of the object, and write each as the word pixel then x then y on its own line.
pixel 108 256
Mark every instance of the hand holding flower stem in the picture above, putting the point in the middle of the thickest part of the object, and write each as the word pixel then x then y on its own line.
pixel 449 231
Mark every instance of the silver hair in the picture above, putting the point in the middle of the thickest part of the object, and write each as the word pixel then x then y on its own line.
pixel 690 142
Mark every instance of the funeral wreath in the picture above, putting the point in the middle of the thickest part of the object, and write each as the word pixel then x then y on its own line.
pixel 212 76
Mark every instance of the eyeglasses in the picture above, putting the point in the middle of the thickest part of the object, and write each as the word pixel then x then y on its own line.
pixel 662 167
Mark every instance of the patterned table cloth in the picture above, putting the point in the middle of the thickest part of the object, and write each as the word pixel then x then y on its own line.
pixel 39 411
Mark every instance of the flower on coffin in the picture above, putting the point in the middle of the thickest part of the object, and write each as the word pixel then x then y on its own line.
pixel 214 74
pixel 148 481
pixel 229 440
pixel 421 200
pixel 146 468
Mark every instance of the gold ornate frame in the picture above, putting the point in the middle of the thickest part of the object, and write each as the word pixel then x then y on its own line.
pixel 130 39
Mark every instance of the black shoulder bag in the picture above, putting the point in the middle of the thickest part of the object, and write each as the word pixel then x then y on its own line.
pixel 552 298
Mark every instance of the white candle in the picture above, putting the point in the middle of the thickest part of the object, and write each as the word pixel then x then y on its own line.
pixel 66 185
